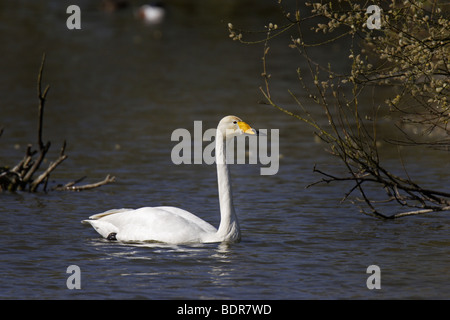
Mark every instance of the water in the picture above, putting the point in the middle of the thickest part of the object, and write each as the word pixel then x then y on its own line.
pixel 118 90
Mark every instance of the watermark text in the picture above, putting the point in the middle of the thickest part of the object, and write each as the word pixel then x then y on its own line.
pixel 190 150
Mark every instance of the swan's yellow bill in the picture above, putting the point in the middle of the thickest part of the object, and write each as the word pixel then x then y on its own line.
pixel 245 127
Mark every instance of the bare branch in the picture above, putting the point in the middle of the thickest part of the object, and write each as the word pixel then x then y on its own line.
pixel 71 185
pixel 417 212
pixel 20 177
pixel 46 173
pixel 42 96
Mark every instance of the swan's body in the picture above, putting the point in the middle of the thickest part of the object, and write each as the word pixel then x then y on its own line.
pixel 174 225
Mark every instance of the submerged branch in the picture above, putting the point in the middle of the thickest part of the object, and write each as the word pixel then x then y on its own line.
pixel 21 176
pixel 71 185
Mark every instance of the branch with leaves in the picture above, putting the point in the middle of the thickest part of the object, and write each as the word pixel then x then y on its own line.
pixel 410 55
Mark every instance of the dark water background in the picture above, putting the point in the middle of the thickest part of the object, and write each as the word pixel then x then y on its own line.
pixel 118 90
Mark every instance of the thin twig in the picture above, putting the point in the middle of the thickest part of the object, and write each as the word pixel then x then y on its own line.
pixel 70 186
pixel 42 96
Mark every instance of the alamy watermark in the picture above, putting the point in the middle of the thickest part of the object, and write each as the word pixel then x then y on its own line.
pixel 74 280
pixel 74 20
pixel 374 280
pixel 374 20
pixel 190 150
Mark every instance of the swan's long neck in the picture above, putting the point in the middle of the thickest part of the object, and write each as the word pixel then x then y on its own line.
pixel 229 225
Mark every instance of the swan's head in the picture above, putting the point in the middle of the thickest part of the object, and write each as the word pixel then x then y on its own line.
pixel 231 126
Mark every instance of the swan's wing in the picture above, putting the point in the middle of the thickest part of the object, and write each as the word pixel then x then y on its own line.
pixel 191 217
pixel 107 213
pixel 165 224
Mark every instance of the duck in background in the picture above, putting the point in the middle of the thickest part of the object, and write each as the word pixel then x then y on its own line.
pixel 151 13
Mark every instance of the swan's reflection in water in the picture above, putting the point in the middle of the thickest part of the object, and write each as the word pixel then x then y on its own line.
pixel 147 263
pixel 222 252
pixel 137 250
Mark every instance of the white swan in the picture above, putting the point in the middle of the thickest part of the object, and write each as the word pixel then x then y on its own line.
pixel 173 225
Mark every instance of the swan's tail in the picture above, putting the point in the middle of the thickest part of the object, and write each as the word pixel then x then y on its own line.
pixel 104 228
